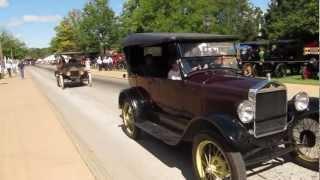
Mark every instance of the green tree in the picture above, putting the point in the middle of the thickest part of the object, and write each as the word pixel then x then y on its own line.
pixel 11 46
pixel 66 37
pixel 97 26
pixel 211 16
pixel 298 19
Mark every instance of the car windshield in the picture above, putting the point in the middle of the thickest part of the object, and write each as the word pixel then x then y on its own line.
pixel 208 49
pixel 200 56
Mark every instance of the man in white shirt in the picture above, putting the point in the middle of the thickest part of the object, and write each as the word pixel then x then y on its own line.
pixel 174 73
pixel 110 62
pixel 105 63
pixel 9 68
pixel 99 62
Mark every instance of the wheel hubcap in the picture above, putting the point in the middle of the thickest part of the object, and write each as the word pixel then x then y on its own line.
pixel 306 136
pixel 128 119
pixel 211 162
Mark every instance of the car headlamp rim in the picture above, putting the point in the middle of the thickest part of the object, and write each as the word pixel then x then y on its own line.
pixel 301 101
pixel 246 111
pixel 68 73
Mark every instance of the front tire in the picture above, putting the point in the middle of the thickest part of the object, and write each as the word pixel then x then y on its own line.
pixel 89 80
pixel 213 159
pixel 306 138
pixel 61 82
pixel 129 119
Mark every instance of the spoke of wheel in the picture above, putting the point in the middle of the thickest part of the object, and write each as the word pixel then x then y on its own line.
pixel 210 153
pixel 206 159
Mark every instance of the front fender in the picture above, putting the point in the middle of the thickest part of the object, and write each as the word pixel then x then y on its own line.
pixel 312 111
pixel 135 95
pixel 230 128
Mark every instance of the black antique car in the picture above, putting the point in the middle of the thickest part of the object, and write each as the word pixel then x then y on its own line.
pixel 71 67
pixel 187 87
pixel 276 57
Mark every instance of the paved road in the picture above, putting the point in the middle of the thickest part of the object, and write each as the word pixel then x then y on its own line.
pixel 92 116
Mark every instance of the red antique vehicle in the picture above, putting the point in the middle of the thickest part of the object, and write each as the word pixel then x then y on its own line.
pixel 186 87
pixel 311 53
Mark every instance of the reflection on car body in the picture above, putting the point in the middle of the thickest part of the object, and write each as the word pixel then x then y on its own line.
pixel 232 121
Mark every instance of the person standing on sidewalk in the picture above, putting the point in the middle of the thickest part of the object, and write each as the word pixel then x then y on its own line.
pixel 21 69
pixel 9 68
pixel 99 62
pixel 87 64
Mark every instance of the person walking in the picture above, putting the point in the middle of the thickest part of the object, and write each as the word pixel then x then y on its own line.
pixel 110 62
pixel 99 62
pixel 105 63
pixel 9 68
pixel 87 64
pixel 21 69
pixel 0 70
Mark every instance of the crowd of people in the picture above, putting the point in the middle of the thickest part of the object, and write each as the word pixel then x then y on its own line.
pixel 109 63
pixel 11 67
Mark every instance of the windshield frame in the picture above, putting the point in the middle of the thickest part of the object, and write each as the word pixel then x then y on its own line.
pixel 182 58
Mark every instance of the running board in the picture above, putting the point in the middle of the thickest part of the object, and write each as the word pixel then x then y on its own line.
pixel 159 132
pixel 268 155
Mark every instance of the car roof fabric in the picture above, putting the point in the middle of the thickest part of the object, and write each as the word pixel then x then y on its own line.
pixel 149 39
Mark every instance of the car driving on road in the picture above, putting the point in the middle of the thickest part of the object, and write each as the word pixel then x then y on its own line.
pixel 187 87
pixel 71 68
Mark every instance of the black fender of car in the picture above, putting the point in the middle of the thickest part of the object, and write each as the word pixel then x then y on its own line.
pixel 312 111
pixel 228 127
pixel 136 95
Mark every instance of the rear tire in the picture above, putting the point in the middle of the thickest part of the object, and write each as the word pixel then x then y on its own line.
pixel 280 71
pixel 214 159
pixel 129 119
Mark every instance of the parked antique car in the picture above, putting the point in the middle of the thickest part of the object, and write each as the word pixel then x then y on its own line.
pixel 71 68
pixel 311 52
pixel 187 87
pixel 276 57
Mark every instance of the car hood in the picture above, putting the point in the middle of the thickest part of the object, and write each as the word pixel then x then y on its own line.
pixel 226 82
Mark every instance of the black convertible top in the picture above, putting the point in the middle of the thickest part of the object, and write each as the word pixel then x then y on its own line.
pixel 148 39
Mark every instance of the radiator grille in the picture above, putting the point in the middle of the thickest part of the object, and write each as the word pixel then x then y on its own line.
pixel 271 112
pixel 74 73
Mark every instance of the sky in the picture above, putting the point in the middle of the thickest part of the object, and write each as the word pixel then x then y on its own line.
pixel 33 21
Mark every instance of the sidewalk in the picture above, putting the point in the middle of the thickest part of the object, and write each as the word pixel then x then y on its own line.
pixel 33 144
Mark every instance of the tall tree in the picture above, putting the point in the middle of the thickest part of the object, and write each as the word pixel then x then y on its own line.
pixel 293 19
pixel 97 26
pixel 212 16
pixel 11 46
pixel 66 38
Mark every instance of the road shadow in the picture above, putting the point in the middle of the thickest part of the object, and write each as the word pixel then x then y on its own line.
pixel 74 85
pixel 180 157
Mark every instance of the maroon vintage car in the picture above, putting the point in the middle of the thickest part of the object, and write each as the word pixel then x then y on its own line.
pixel 187 87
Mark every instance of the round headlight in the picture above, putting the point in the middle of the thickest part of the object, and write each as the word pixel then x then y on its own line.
pixel 68 73
pixel 81 73
pixel 301 101
pixel 246 111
